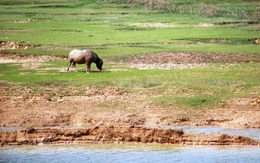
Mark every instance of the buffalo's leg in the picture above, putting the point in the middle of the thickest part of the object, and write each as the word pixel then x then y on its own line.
pixel 88 67
pixel 74 65
pixel 69 64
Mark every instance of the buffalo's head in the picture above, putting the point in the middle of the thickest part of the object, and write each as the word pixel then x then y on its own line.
pixel 99 64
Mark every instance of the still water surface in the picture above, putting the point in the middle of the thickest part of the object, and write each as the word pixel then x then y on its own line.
pixel 129 153
pixel 138 153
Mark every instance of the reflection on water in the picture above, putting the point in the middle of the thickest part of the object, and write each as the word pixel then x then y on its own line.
pixel 129 153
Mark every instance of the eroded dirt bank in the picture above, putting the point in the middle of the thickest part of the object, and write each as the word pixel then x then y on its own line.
pixel 113 134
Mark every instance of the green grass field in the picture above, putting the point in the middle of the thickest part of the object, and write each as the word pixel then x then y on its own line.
pixel 119 30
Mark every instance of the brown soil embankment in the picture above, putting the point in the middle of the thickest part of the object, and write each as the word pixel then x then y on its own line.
pixel 117 135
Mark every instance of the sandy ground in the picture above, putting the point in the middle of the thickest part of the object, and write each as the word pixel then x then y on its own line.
pixel 109 105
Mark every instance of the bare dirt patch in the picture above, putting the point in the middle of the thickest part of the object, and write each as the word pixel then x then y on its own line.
pixel 204 25
pixel 154 25
pixel 17 58
pixel 26 21
pixel 168 60
pixel 28 61
pixel 237 112
pixel 14 45
pixel 37 105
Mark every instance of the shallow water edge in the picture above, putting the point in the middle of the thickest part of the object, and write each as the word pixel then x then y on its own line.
pixel 129 153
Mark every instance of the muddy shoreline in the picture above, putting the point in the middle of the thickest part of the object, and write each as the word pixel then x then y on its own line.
pixel 118 135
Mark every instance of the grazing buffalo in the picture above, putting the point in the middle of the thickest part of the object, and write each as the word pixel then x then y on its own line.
pixel 84 56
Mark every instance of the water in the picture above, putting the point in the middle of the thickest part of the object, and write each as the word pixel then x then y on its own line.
pixel 139 153
pixel 129 153
pixel 10 128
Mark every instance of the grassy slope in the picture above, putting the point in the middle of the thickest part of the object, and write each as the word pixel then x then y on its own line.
pixel 92 25
pixel 109 30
